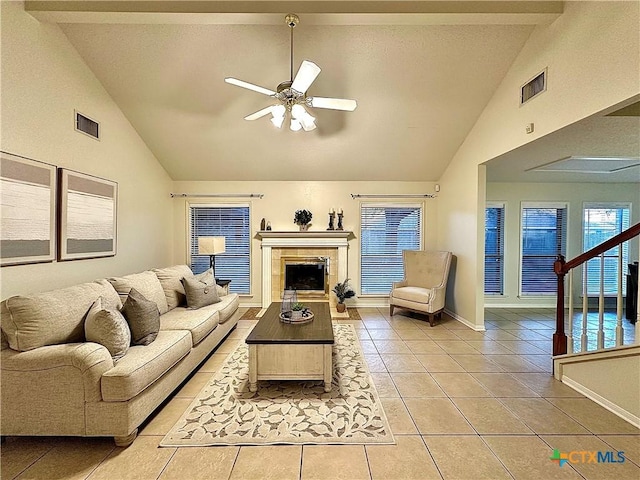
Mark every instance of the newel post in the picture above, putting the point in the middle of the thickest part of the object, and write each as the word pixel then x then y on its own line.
pixel 559 337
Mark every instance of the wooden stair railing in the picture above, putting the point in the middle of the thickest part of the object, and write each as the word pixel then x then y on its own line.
pixel 561 268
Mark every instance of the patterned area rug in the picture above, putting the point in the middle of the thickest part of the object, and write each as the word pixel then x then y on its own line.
pixel 252 312
pixel 225 412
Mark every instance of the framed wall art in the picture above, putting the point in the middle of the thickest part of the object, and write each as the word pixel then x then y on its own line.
pixel 27 210
pixel 88 216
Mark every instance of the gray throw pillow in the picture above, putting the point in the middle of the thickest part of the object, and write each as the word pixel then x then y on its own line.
pixel 207 277
pixel 108 328
pixel 200 292
pixel 143 318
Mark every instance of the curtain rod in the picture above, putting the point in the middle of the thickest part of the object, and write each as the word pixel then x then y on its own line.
pixel 217 195
pixel 406 195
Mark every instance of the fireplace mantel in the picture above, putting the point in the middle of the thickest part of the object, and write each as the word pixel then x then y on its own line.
pixel 338 239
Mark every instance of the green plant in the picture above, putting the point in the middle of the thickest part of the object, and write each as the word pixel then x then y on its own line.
pixel 302 217
pixel 343 291
pixel 297 307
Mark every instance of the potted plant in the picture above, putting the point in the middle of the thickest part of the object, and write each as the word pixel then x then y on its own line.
pixel 296 310
pixel 302 219
pixel 343 291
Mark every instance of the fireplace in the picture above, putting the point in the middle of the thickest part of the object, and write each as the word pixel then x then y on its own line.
pixel 308 276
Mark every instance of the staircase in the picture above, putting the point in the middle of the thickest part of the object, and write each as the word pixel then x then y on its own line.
pixel 601 363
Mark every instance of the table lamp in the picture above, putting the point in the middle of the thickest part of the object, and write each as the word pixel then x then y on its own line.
pixel 211 246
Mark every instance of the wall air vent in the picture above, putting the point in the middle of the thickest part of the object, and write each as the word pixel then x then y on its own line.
pixel 533 87
pixel 84 124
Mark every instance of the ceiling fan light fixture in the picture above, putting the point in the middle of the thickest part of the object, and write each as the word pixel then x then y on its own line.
pixel 277 121
pixel 295 125
pixel 292 94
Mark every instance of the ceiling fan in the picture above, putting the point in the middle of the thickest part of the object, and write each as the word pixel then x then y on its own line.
pixel 292 94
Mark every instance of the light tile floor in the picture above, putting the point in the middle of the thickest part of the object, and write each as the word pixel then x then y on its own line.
pixel 462 405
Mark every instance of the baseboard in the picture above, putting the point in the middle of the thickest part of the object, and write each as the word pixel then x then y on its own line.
pixel 600 400
pixel 519 305
pixel 464 321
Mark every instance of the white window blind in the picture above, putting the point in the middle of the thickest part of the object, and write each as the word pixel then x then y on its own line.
pixel 385 231
pixel 544 237
pixel 494 249
pixel 602 222
pixel 229 221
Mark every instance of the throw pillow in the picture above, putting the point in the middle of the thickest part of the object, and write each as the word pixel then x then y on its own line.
pixel 109 328
pixel 207 277
pixel 200 292
pixel 170 279
pixel 143 318
pixel 146 283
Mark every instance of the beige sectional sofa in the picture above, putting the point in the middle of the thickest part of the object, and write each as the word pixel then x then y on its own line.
pixel 54 382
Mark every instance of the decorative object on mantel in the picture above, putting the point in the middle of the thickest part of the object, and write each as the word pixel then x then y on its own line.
pixel 340 216
pixel 268 226
pixel 332 217
pixel 302 218
pixel 343 291
pixel 263 224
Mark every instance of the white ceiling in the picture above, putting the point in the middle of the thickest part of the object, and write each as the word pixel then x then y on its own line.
pixel 422 72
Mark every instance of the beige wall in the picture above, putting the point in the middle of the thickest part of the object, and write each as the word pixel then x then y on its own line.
pixel 614 381
pixel 43 81
pixel 593 58
pixel 574 194
pixel 282 199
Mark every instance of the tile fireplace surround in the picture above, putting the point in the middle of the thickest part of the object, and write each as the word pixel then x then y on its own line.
pixel 276 245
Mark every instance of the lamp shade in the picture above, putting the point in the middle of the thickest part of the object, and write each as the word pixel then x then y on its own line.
pixel 211 245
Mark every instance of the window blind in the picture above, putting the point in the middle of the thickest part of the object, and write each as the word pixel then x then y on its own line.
pixel 233 223
pixel 544 232
pixel 494 249
pixel 385 231
pixel 602 222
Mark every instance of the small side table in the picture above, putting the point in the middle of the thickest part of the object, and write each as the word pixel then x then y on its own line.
pixel 224 284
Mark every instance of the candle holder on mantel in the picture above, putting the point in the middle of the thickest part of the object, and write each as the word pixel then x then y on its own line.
pixel 332 217
pixel 339 227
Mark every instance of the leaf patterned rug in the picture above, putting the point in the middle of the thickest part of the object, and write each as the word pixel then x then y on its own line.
pixel 225 412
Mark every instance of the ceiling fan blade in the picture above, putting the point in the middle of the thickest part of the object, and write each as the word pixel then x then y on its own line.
pixel 260 113
pixel 250 86
pixel 306 75
pixel 334 103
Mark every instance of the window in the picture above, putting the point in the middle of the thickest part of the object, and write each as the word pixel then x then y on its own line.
pixel 386 230
pixel 602 222
pixel 544 237
pixel 231 222
pixel 494 249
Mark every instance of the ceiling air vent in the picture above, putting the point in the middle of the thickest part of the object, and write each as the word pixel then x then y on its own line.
pixel 533 87
pixel 87 126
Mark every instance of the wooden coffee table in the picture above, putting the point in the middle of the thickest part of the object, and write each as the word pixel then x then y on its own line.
pixel 284 351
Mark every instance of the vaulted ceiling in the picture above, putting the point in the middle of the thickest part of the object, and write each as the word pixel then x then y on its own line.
pixel 422 72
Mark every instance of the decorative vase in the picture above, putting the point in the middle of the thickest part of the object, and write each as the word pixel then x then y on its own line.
pixel 341 307
pixel 304 228
pixel 296 314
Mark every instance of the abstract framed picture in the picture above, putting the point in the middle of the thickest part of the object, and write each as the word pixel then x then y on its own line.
pixel 27 210
pixel 88 216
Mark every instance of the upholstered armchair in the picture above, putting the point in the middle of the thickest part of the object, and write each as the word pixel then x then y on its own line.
pixel 424 285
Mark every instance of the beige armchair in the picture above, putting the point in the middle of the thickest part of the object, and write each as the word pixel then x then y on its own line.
pixel 424 285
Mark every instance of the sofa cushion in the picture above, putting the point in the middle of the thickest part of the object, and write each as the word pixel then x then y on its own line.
pixel 146 283
pixel 413 294
pixel 108 328
pixel 199 322
pixel 200 292
pixel 170 279
pixel 227 306
pixel 53 317
pixel 143 365
pixel 143 318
